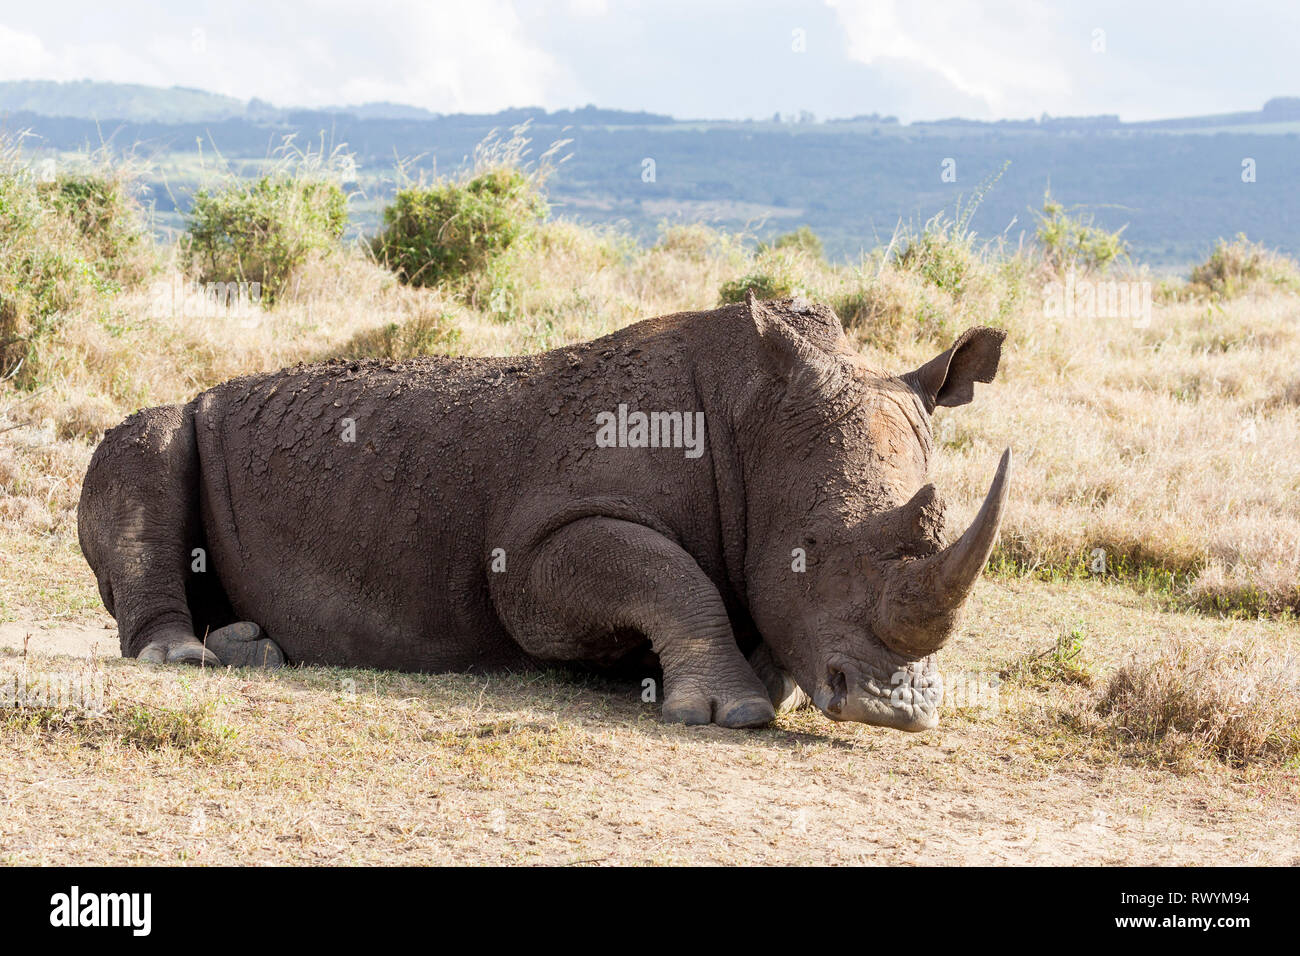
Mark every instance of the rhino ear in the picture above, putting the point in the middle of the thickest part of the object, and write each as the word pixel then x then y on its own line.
pixel 796 355
pixel 949 378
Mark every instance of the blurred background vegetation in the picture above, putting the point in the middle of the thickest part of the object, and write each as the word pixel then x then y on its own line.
pixel 1177 184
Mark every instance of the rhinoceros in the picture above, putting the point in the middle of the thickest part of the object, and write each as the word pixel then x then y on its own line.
pixel 737 493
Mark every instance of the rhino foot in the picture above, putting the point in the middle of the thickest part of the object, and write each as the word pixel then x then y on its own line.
pixel 241 644
pixel 694 710
pixel 178 652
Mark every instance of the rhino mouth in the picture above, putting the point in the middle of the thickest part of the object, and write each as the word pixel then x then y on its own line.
pixel 902 694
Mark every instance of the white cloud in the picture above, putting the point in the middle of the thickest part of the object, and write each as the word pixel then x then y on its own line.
pixel 22 55
pixel 1008 55
pixel 587 8
pixel 979 58
pixel 454 57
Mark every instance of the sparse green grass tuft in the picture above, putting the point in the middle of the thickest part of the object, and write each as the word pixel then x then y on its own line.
pixel 1063 663
pixel 193 727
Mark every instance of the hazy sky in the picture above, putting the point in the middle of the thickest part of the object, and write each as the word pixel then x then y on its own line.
pixel 921 59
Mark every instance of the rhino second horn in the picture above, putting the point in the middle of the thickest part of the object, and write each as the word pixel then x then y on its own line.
pixel 919 608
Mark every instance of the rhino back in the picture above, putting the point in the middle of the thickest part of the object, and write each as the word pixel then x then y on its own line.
pixel 352 508
pixel 344 507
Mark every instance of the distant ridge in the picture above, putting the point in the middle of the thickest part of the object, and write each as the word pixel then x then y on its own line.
pixel 137 103
pixel 88 99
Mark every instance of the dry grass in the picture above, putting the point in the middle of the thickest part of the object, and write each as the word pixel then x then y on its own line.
pixel 316 765
pixel 1169 448
pixel 1241 266
pixel 1238 703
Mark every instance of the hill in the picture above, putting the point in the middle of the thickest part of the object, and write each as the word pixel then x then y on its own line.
pixel 1177 183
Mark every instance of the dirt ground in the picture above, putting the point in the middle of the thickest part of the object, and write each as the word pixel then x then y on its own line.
pixel 313 765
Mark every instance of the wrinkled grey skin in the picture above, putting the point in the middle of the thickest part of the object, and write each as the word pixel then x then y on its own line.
pixel 249 505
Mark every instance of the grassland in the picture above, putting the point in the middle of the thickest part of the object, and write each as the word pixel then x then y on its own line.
pixel 1146 705
pixel 325 766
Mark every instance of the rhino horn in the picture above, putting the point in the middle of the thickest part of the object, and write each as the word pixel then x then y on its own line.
pixel 919 608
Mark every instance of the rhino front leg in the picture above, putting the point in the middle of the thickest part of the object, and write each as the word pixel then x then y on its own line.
pixel 598 577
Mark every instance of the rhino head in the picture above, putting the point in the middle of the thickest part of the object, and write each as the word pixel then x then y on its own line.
pixel 853 577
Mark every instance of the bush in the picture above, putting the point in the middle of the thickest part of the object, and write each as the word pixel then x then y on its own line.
pixel 764 286
pixel 64 244
pixel 943 254
pixel 1072 241
pixel 941 282
pixel 697 242
pixel 456 229
pixel 430 332
pixel 802 239
pixel 101 207
pixel 1234 267
pixel 260 231
pixel 774 274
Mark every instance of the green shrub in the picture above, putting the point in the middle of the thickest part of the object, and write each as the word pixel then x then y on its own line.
pixel 457 228
pixel 943 254
pixel 1233 267
pixel 802 239
pixel 1072 241
pixel 941 281
pixel 888 307
pixel 698 242
pixel 774 274
pixel 101 207
pixel 64 244
pixel 431 332
pixel 765 286
pixel 260 231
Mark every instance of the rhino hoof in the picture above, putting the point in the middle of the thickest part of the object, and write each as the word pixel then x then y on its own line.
pixel 695 711
pixel 692 711
pixel 242 644
pixel 183 652
pixel 747 713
